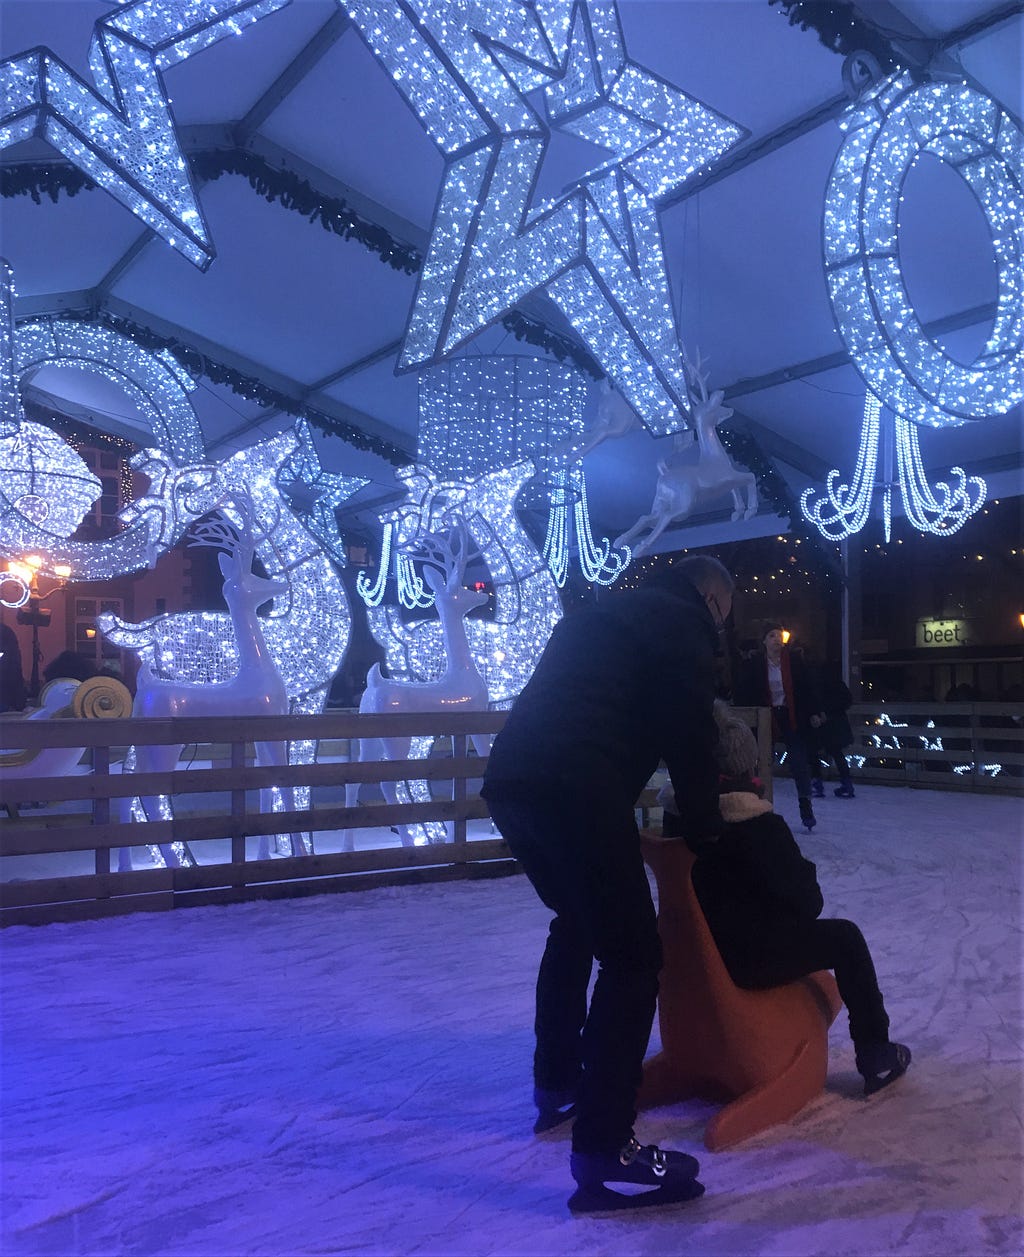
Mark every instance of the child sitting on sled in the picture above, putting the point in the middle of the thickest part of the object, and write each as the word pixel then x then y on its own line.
pixel 761 900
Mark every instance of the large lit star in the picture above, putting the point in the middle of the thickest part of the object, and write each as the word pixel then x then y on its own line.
pixel 122 134
pixel 472 71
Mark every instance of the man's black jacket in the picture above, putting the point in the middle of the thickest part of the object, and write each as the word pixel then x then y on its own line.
pixel 619 687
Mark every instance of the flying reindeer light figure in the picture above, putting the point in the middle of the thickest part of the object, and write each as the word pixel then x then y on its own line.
pixel 686 481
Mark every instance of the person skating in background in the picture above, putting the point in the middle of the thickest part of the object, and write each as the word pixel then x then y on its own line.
pixel 779 678
pixel 762 902
pixel 834 734
pixel 620 686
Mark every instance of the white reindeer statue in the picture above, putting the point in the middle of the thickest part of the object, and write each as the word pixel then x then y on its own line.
pixel 684 481
pixel 256 689
pixel 459 688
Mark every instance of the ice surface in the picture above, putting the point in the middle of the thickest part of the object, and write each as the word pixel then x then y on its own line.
pixel 350 1073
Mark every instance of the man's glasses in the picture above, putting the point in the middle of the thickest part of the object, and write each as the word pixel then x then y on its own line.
pixel 715 607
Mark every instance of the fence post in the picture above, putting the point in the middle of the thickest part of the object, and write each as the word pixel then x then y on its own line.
pixel 237 814
pixel 459 751
pixel 101 807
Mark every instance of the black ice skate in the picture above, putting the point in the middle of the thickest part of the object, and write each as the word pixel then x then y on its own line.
pixel 807 816
pixel 881 1064
pixel 670 1176
pixel 554 1106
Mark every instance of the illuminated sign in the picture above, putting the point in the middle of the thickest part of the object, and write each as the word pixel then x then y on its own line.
pixel 943 633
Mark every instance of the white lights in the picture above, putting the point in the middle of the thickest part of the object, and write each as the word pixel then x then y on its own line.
pixel 122 135
pixel 481 413
pixel 505 649
pixel 157 387
pixel 887 130
pixel 156 383
pixel 43 483
pixel 844 509
pixel 467 70
pixel 307 630
pixel 10 403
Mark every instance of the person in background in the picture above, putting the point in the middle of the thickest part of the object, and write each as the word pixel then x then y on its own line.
pixel 762 903
pixel 620 686
pixel 779 678
pixel 13 694
pixel 69 664
pixel 834 735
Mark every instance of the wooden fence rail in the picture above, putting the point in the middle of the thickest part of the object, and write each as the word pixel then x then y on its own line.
pixel 218 805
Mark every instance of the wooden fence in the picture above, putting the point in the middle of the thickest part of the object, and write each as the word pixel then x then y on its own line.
pixel 223 804
pixel 949 746
pixel 218 805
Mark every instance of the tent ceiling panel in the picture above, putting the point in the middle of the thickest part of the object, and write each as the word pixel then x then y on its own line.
pixel 299 299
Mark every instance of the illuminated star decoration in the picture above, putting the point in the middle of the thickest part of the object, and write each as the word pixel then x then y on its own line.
pixel 122 134
pixel 468 70
pixel 314 494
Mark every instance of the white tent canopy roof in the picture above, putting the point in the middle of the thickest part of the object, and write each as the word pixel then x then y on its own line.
pixel 321 318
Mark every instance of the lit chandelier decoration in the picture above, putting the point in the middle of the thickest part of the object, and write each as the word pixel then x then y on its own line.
pixel 468 72
pixel 888 129
pixel 481 413
pixel 122 134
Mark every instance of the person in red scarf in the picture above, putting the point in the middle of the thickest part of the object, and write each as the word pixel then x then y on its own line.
pixel 778 678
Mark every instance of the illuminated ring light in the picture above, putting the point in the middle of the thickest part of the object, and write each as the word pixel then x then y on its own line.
pixel 156 384
pixel 19 599
pixel 886 132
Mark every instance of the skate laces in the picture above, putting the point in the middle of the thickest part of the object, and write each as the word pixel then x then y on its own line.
pixel 647 1154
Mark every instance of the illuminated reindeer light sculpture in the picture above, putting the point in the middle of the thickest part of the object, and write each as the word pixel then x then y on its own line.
pixel 459 688
pixel 257 688
pixel 685 481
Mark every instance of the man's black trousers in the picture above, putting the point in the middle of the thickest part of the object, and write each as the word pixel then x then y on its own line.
pixel 583 857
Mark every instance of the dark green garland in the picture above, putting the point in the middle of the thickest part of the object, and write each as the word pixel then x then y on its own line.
pixel 840 28
pixel 332 213
pixel 534 333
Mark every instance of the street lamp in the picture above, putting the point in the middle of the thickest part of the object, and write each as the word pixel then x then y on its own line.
pixel 21 591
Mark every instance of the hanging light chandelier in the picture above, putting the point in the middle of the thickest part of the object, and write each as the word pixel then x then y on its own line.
pixel 478 414
pixel 844 508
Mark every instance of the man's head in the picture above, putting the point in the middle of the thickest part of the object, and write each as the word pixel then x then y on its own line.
pixel 713 581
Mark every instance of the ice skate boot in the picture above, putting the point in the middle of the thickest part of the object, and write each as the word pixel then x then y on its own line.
pixel 554 1106
pixel 671 1178
pixel 881 1064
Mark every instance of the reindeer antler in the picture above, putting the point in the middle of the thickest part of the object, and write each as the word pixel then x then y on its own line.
pixel 221 533
pixel 695 377
pixel 447 552
pixel 218 533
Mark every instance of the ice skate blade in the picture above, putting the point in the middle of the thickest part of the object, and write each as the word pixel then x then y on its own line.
pixel 597 1200
pixel 553 1119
